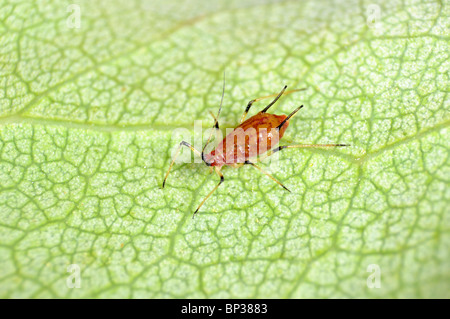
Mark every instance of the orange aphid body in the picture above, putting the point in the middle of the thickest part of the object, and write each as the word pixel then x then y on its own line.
pixel 250 139
pixel 247 142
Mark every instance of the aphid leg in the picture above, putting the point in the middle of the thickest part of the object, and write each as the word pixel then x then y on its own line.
pixel 207 196
pixel 215 127
pixel 216 122
pixel 176 155
pixel 249 105
pixel 216 119
pixel 277 96
pixel 279 148
pixel 270 176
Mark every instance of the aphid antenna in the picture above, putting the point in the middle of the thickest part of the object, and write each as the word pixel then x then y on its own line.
pixel 216 121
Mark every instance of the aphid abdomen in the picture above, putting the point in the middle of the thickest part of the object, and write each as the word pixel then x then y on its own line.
pixel 252 138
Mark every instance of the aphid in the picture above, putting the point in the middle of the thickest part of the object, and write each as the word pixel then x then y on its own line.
pixel 235 149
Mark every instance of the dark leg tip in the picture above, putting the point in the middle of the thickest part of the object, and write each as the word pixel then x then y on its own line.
pixel 164 183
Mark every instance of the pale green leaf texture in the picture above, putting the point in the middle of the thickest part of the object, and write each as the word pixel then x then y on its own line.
pixel 86 122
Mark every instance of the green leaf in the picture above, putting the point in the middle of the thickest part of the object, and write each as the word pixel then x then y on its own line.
pixel 87 117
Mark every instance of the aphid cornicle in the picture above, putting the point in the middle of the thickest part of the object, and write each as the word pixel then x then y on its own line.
pixel 235 150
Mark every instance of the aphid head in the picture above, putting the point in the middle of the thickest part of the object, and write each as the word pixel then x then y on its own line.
pixel 213 159
pixel 207 159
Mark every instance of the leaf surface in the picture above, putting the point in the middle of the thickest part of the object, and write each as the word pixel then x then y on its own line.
pixel 87 117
